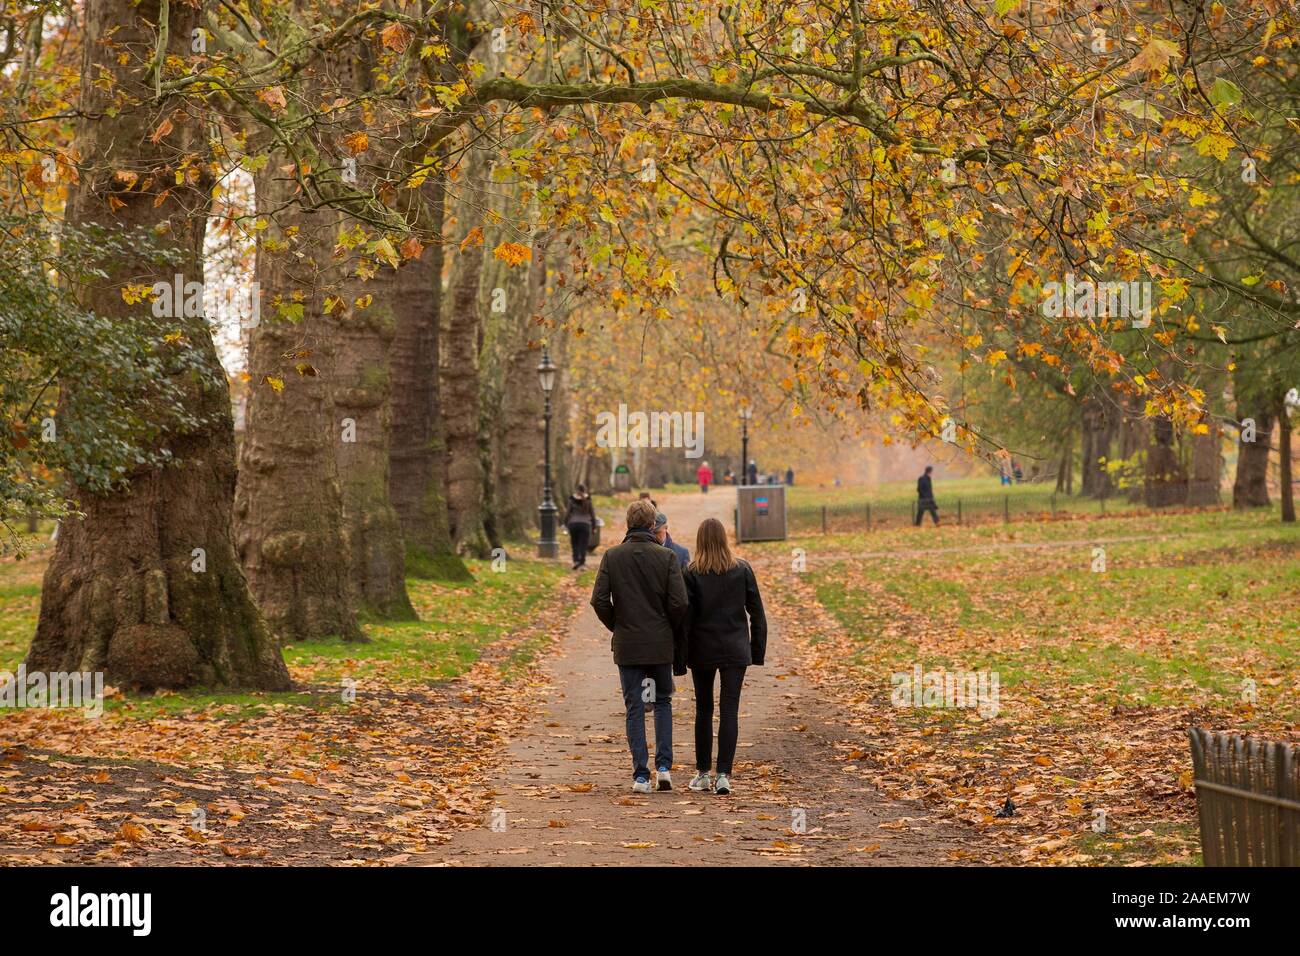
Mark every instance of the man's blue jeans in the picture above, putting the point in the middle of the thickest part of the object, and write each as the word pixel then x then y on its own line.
pixel 642 685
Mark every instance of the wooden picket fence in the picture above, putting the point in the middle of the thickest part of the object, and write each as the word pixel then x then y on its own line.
pixel 1248 799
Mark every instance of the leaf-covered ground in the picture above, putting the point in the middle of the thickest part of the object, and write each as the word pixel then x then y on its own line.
pixel 286 778
pixel 1100 672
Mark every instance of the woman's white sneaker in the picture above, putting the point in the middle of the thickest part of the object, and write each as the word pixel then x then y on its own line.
pixel 722 784
pixel 663 780
pixel 702 782
pixel 640 786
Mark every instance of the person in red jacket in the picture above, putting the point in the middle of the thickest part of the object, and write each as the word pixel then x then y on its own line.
pixel 704 475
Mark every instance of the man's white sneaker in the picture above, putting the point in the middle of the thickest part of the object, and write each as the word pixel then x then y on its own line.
pixel 722 784
pixel 640 786
pixel 701 782
pixel 663 780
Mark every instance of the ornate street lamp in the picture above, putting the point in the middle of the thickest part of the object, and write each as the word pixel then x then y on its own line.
pixel 547 547
pixel 746 413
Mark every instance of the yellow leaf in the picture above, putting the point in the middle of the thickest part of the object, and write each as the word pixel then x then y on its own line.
pixel 1214 144
pixel 1155 55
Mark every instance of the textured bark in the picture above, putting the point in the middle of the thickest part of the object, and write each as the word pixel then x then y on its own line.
pixel 123 592
pixel 1165 480
pixel 460 372
pixel 1286 487
pixel 1065 470
pixel 1250 488
pixel 1098 428
pixel 1134 434
pixel 362 412
pixel 561 455
pixel 520 442
pixel 288 506
pixel 417 457
pixel 1207 468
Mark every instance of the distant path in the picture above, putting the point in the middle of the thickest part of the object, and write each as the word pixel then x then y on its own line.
pixel 565 790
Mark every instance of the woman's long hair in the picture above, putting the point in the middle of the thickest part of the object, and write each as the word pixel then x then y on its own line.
pixel 712 552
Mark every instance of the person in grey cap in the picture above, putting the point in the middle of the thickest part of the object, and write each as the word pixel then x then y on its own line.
pixel 664 538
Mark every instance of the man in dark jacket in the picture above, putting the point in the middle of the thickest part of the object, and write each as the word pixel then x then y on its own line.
pixel 666 539
pixel 640 596
pixel 925 497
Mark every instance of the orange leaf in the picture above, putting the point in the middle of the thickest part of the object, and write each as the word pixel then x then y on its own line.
pixel 163 129
pixel 273 97
pixel 396 36
pixel 512 253
pixel 357 142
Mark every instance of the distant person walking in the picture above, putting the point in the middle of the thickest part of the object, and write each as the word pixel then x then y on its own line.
pixel 579 519
pixel 751 473
pixel 925 497
pixel 640 596
pixel 704 475
pixel 726 633
pixel 789 476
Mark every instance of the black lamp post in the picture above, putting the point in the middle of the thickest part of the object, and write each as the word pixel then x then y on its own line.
pixel 746 413
pixel 547 547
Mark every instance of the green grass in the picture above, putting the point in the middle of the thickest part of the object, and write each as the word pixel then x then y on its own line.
pixel 1183 613
pixel 1119 848
pixel 1187 603
pixel 1100 671
pixel 20 604
pixel 979 499
pixel 902 536
pixel 458 622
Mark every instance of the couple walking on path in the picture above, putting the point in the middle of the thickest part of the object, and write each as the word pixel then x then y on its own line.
pixel 665 618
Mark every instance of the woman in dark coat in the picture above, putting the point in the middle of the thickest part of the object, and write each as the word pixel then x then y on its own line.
pixel 726 633
pixel 579 518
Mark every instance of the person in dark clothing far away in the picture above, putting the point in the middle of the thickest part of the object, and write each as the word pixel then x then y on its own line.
pixel 640 596
pixel 789 476
pixel 751 474
pixel 726 632
pixel 579 518
pixel 925 497
pixel 666 539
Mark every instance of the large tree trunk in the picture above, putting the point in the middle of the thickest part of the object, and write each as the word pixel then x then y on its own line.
pixel 1065 470
pixel 147 587
pixel 417 458
pixel 1134 435
pixel 1207 467
pixel 460 373
pixel 363 418
pixel 288 507
pixel 1165 481
pixel 1286 488
pixel 1097 426
pixel 1250 488
pixel 520 442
